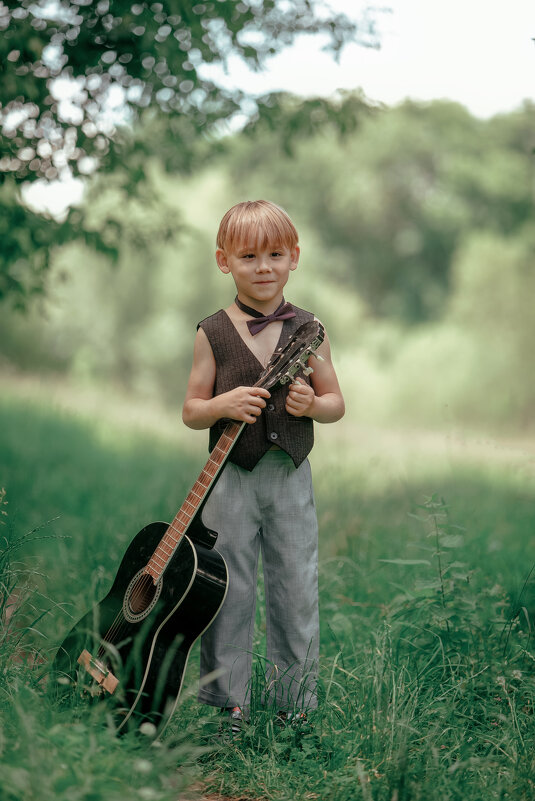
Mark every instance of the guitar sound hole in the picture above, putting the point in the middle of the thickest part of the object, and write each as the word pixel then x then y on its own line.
pixel 142 594
pixel 141 597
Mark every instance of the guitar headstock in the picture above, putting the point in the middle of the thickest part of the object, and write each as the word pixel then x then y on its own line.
pixel 288 360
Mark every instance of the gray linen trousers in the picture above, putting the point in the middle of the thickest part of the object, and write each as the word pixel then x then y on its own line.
pixel 269 510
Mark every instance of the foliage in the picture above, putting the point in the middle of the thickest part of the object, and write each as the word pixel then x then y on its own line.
pixel 100 86
pixel 493 281
pixel 416 231
pixel 31 241
pixel 284 120
pixel 391 202
pixel 149 55
pixel 23 233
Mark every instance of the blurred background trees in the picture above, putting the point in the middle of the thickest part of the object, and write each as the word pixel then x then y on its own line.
pixel 416 222
pixel 103 87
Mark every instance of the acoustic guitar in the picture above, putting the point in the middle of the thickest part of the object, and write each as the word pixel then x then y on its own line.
pixel 132 648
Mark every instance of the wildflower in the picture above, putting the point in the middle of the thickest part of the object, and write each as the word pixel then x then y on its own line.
pixel 148 794
pixel 142 766
pixel 148 729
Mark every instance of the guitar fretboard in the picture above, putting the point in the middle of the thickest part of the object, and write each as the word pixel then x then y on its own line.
pixel 197 494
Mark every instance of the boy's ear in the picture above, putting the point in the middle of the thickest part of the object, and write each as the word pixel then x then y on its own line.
pixel 294 257
pixel 222 262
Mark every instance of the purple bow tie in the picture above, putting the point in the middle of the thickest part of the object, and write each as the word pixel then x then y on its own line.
pixel 284 312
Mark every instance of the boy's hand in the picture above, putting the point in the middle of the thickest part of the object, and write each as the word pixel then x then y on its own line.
pixel 300 399
pixel 244 403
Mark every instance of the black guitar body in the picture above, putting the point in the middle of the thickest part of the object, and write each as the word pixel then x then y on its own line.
pixel 134 645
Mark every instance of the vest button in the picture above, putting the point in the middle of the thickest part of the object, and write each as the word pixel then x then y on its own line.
pixel 270 407
pixel 273 435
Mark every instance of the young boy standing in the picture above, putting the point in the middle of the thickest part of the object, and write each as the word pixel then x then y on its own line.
pixel 263 499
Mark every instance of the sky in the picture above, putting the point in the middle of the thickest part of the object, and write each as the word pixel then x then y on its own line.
pixel 480 53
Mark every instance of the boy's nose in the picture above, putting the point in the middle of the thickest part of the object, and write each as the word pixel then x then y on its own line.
pixel 263 266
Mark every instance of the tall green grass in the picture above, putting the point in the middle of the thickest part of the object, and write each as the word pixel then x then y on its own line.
pixel 427 600
pixel 427 688
pixel 48 753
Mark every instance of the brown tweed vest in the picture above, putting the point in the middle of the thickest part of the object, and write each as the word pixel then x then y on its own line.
pixel 237 366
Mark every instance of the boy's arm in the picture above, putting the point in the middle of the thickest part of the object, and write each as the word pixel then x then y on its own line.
pixel 201 409
pixel 322 400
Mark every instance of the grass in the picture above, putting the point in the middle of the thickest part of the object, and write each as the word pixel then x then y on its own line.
pixel 427 602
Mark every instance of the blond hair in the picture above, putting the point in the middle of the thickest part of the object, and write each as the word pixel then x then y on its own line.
pixel 258 224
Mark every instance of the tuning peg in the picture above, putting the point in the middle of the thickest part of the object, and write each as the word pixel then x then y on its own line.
pixel 308 370
pixel 317 356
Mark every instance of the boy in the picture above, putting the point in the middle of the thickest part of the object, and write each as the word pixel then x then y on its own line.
pixel 263 498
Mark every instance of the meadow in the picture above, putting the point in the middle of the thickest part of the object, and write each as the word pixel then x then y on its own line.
pixel 427 686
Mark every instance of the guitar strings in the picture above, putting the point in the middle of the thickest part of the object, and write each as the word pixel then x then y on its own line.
pixel 142 595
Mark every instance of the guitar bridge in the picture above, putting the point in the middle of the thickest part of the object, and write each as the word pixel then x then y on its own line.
pixel 98 670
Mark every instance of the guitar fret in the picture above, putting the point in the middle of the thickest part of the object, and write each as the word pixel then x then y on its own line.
pixel 182 518
pixel 177 531
pixel 187 503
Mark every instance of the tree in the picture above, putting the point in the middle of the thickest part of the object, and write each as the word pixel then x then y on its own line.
pixel 92 86
pixel 391 203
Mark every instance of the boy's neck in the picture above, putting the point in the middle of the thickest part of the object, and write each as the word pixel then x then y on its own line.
pixel 265 307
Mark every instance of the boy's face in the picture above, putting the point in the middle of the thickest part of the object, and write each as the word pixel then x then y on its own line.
pixel 260 273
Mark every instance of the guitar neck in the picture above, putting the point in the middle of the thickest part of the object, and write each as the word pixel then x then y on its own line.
pixel 196 496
